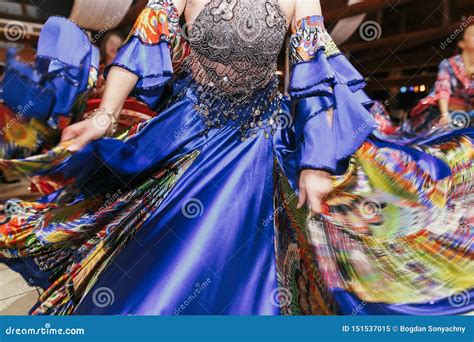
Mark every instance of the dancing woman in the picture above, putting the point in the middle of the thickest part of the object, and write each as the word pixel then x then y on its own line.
pixel 453 90
pixel 195 211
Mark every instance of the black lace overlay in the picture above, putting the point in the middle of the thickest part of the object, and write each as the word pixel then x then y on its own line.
pixel 234 50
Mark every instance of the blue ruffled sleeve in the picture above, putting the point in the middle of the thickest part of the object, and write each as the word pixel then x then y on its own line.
pixel 61 74
pixel 147 52
pixel 322 78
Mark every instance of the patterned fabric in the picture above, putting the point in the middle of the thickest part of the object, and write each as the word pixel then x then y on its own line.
pixel 396 220
pixel 158 22
pixel 325 100
pixel 453 84
pixel 94 231
pixel 308 36
pixel 35 164
pixel 453 81
pixel 302 290
pixel 22 137
pixel 44 182
pixel 388 233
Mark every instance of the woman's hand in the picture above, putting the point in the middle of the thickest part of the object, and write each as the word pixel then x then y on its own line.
pixel 85 131
pixel 314 185
pixel 444 119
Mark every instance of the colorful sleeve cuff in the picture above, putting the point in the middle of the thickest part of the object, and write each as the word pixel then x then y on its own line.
pixel 147 52
pixel 322 78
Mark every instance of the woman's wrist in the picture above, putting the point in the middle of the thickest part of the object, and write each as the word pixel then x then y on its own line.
pixel 320 171
pixel 105 119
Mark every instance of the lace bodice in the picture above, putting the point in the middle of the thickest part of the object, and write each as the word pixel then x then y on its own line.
pixel 235 45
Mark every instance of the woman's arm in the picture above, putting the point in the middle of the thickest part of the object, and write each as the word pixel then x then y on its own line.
pixel 443 90
pixel 144 42
pixel 118 86
pixel 313 185
pixel 444 110
pixel 304 8
pixel 331 116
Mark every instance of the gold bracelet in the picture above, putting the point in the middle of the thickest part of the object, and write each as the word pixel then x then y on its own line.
pixel 112 125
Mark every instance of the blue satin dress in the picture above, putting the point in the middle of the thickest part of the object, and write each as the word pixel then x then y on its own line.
pixel 194 211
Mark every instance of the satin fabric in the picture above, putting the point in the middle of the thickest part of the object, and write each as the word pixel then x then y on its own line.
pixel 151 76
pixel 316 86
pixel 198 236
pixel 214 230
pixel 209 230
pixel 49 90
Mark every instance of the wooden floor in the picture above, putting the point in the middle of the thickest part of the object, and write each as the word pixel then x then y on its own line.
pixel 16 297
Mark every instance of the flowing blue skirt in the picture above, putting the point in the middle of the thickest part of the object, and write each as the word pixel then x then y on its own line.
pixel 208 235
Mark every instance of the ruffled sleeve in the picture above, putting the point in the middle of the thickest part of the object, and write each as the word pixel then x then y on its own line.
pixel 322 78
pixel 49 90
pixel 147 52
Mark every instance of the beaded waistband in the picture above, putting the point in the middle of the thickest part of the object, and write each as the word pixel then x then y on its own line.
pixel 260 112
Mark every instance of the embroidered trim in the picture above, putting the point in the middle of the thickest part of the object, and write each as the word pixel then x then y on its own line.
pixel 158 22
pixel 262 112
pixel 308 36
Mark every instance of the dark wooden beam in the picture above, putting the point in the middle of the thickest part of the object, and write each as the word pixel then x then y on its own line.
pixel 404 41
pixel 404 81
pixel 362 7
pixel 395 65
pixel 446 12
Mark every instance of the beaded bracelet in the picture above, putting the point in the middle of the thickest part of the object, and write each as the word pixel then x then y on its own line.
pixel 112 122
